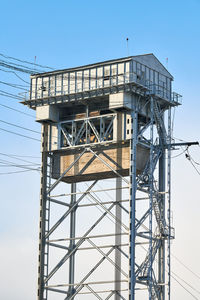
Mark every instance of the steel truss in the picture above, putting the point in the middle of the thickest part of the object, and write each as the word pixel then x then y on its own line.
pixel 119 247
pixel 87 131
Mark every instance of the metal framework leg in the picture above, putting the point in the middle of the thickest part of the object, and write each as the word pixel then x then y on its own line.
pixel 118 230
pixel 150 190
pixel 169 203
pixel 161 250
pixel 43 255
pixel 133 189
pixel 72 241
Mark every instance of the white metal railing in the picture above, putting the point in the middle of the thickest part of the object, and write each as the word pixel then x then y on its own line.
pixel 104 82
pixel 163 92
pixel 176 98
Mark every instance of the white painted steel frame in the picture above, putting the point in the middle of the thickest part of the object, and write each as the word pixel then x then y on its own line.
pixel 139 274
pixel 87 133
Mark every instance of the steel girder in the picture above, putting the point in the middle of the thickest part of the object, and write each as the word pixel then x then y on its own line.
pixel 148 229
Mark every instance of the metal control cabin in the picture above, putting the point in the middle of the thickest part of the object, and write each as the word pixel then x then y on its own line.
pixel 99 122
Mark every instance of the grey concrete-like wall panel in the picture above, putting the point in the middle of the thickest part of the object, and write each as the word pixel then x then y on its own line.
pixel 152 62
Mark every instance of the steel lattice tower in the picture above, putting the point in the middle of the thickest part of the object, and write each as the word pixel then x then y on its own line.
pixel 105 213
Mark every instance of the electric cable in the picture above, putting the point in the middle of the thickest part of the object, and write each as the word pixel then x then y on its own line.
pixel 12 164
pixel 31 156
pixel 195 162
pixel 6 71
pixel 13 157
pixel 177 279
pixel 184 287
pixel 195 167
pixel 21 127
pixel 181 140
pixel 24 128
pixel 26 69
pixel 14 85
pixel 14 172
pixel 186 283
pixel 17 110
pixel 179 154
pixel 188 157
pixel 185 266
pixel 10 95
pixel 24 61
pixel 28 137
pixel 23 70
pixel 26 167
pixel 192 158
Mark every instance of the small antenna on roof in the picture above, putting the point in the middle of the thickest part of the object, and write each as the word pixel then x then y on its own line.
pixel 127 39
pixel 167 63
pixel 35 63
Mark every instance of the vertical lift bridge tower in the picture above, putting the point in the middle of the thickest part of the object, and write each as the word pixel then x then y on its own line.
pixel 105 220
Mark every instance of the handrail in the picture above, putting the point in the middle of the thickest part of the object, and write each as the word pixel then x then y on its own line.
pixel 109 81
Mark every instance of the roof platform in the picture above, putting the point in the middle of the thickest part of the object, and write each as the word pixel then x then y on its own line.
pixel 141 75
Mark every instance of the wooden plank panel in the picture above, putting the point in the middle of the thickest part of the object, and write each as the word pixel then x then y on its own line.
pixel 91 168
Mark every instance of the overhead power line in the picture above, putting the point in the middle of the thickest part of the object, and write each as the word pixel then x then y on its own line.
pixel 17 158
pixel 7 163
pixel 6 71
pixel 21 127
pixel 30 156
pixel 189 158
pixel 24 61
pixel 198 172
pixel 25 136
pixel 27 167
pixel 184 287
pixel 10 95
pixel 197 163
pixel 188 291
pixel 17 110
pixel 16 86
pixel 22 67
pixel 14 172
pixel 19 69
pixel 179 153
pixel 185 266
pixel 195 290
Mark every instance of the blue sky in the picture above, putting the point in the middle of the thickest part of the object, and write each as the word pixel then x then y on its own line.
pixel 64 34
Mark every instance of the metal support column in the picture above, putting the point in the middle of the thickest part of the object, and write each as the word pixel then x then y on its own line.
pixel 133 189
pixel 151 179
pixel 72 240
pixel 118 214
pixel 161 250
pixel 43 255
pixel 169 202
